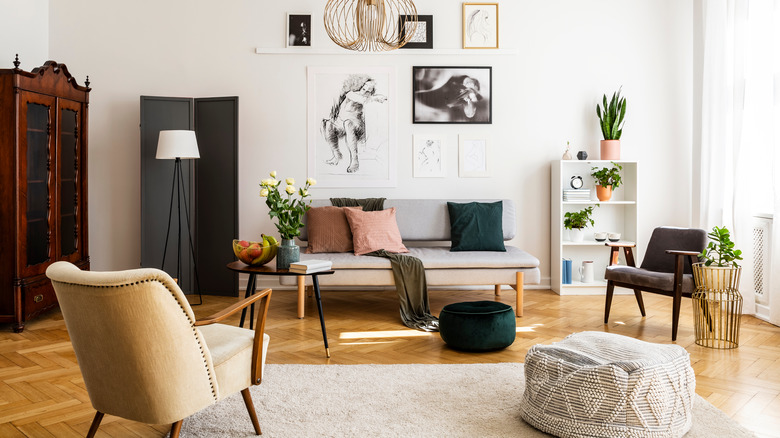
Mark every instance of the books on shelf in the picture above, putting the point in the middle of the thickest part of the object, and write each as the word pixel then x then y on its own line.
pixel 566 271
pixel 309 266
pixel 576 195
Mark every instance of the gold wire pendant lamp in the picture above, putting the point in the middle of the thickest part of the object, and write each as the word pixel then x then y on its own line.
pixel 370 25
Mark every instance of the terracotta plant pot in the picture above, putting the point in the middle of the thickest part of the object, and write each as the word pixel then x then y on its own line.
pixel 610 150
pixel 604 193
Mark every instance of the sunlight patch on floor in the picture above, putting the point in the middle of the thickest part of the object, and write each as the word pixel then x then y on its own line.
pixel 384 334
pixel 368 343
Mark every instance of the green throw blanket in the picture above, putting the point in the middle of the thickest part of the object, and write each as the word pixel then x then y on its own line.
pixel 408 273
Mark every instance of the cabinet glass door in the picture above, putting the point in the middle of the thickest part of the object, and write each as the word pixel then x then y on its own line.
pixel 36 195
pixel 69 169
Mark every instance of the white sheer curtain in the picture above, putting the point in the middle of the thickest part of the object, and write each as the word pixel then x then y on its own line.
pixel 740 127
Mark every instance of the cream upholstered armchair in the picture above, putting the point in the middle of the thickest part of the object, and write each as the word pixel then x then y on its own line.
pixel 143 355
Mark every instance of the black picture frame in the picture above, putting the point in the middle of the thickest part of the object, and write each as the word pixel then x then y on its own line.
pixel 298 30
pixel 428 21
pixel 452 95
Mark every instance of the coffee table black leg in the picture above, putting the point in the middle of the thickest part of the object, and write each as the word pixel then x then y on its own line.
pixel 250 286
pixel 252 306
pixel 319 309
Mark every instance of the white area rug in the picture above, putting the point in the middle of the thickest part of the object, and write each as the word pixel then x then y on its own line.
pixel 477 400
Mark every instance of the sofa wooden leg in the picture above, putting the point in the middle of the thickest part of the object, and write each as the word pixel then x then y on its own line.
pixel 519 278
pixel 498 290
pixel 301 294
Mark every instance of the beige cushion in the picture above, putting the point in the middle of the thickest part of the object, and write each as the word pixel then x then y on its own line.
pixel 231 354
pixel 328 230
pixel 374 230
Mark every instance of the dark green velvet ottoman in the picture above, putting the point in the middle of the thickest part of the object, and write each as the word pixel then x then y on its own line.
pixel 477 325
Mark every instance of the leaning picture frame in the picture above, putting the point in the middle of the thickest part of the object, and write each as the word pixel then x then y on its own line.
pixel 423 34
pixel 298 30
pixel 480 25
pixel 452 95
pixel 473 156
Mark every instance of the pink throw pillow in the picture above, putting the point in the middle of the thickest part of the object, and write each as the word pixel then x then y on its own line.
pixel 374 230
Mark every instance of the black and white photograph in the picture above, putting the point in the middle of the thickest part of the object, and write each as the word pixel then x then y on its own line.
pixel 480 25
pixel 351 126
pixel 298 30
pixel 423 31
pixel 452 95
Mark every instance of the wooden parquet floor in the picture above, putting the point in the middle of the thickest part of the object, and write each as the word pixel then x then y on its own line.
pixel 42 393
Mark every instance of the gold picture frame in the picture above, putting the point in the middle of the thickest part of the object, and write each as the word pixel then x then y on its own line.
pixel 480 25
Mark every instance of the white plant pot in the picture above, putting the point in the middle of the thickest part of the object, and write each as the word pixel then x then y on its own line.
pixel 577 234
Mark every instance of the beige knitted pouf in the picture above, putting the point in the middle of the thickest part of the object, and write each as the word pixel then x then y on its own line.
pixel 600 384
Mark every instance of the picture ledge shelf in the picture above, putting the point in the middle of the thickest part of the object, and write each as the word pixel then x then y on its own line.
pixel 338 51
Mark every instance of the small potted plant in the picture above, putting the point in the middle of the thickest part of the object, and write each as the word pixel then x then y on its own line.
pixel 575 221
pixel 717 303
pixel 611 122
pixel 719 269
pixel 607 179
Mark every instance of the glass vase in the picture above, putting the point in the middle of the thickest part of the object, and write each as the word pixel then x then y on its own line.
pixel 287 252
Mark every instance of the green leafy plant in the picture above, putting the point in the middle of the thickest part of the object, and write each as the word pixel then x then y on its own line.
pixel 608 176
pixel 578 219
pixel 720 252
pixel 611 119
pixel 287 210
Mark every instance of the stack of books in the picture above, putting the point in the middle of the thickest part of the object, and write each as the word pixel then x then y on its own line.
pixel 576 195
pixel 309 266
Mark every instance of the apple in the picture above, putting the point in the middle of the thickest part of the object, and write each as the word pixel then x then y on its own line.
pixel 243 243
pixel 255 252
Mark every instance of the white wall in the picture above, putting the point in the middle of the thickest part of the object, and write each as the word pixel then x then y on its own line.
pixel 24 29
pixel 569 53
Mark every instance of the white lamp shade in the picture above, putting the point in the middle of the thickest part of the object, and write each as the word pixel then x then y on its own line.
pixel 177 144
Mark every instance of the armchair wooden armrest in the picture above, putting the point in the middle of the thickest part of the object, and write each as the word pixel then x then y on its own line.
pixel 257 347
pixel 681 252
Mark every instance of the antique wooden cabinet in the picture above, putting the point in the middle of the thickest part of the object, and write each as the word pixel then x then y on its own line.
pixel 43 185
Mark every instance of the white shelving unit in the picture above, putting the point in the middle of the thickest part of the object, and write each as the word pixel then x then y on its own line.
pixel 619 215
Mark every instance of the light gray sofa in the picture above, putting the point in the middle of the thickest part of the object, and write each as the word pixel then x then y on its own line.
pixel 425 229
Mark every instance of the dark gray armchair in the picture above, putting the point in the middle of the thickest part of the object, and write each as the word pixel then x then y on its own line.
pixel 664 269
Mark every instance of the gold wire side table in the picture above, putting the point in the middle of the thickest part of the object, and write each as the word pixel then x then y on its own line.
pixel 717 306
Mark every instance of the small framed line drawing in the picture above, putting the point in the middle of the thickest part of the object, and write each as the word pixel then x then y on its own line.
pixel 480 25
pixel 298 30
pixel 473 156
pixel 429 157
pixel 423 35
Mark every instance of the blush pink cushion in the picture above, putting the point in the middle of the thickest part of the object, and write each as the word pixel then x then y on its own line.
pixel 328 230
pixel 373 230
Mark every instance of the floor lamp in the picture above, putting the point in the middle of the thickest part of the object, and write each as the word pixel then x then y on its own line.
pixel 175 145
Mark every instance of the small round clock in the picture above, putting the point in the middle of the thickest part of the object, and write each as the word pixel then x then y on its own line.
pixel 576 182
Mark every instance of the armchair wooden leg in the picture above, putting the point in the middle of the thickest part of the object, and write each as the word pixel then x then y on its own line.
pixel 176 429
pixel 95 424
pixel 638 295
pixel 608 304
pixel 251 408
pixel 498 290
pixel 301 294
pixel 677 302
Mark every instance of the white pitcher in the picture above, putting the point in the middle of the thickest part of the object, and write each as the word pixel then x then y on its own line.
pixel 586 271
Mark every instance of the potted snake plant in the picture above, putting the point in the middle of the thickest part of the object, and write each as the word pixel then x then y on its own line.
pixel 611 120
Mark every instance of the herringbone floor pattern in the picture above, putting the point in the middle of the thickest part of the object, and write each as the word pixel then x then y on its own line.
pixel 42 393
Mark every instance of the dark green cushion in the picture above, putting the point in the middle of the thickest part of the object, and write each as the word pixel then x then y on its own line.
pixel 476 226
pixel 477 325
